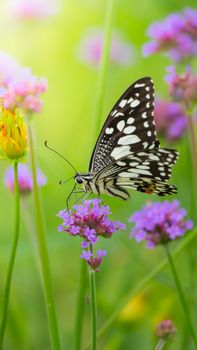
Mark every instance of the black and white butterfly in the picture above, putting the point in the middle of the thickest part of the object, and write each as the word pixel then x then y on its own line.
pixel 127 154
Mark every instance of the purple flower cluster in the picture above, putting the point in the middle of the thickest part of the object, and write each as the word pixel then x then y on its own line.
pixel 182 87
pixel 25 180
pixel 91 46
pixel 170 119
pixel 89 221
pixel 19 88
pixel 159 223
pixel 176 35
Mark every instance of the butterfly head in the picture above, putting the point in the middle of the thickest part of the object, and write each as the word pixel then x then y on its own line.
pixel 83 179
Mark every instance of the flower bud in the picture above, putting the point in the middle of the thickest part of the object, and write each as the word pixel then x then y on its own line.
pixel 13 135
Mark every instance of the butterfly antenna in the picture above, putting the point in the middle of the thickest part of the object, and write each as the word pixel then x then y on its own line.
pixel 51 149
pixel 64 182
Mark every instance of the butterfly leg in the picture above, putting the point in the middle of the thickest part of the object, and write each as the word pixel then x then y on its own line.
pixel 68 198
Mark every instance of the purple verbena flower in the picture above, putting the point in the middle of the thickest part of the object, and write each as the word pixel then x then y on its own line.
pixel 170 119
pixel 182 87
pixel 159 223
pixel 91 46
pixel 94 262
pixel 89 221
pixel 25 180
pixel 27 10
pixel 176 35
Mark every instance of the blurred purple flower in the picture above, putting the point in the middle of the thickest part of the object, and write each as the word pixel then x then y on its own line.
pixel 182 87
pixel 89 221
pixel 159 223
pixel 165 329
pixel 91 46
pixel 31 9
pixel 9 70
pixel 25 180
pixel 176 35
pixel 25 92
pixel 170 119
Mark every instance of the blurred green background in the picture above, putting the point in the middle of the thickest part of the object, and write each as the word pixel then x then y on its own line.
pixel 49 47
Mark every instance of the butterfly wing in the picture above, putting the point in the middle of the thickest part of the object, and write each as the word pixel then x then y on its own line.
pixel 129 128
pixel 142 171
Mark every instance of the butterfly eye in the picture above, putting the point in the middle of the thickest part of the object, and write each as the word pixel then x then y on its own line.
pixel 78 180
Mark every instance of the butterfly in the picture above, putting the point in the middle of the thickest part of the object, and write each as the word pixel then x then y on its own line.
pixel 127 154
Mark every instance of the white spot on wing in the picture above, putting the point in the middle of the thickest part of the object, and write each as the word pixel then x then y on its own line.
pixel 135 103
pixel 119 152
pixel 133 164
pixel 141 171
pixel 123 103
pixel 146 124
pixel 143 167
pixel 138 85
pixel 125 174
pixel 129 129
pixel 109 131
pixel 153 157
pixel 128 140
pixel 149 133
pixel 119 114
pixel 121 163
pixel 130 120
pixel 120 125
pixel 145 144
pixel 113 112
pixel 144 115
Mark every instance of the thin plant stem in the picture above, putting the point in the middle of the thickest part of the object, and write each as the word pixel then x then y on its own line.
pixel 43 252
pixel 160 345
pixel 101 82
pixel 93 304
pixel 181 295
pixel 143 284
pixel 12 256
pixel 81 292
pixel 102 74
pixel 193 146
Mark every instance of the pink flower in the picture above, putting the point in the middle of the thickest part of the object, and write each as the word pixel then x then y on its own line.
pixel 91 46
pixel 9 69
pixel 25 180
pixel 170 119
pixel 31 9
pixel 182 87
pixel 165 329
pixel 25 92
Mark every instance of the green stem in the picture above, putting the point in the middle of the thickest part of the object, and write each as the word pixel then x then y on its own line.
pixel 93 304
pixel 160 345
pixel 12 256
pixel 102 75
pixel 80 305
pixel 43 252
pixel 193 146
pixel 143 284
pixel 181 295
